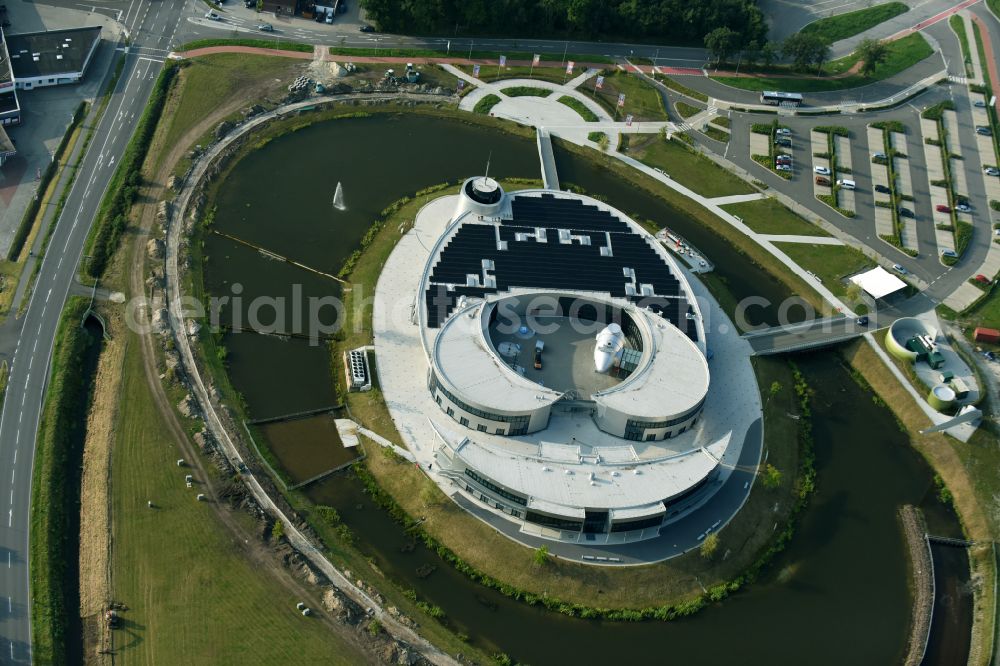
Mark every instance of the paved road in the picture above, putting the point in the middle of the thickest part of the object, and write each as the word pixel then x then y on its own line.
pixel 151 24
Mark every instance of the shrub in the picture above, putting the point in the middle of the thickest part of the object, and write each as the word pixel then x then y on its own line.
pixel 486 104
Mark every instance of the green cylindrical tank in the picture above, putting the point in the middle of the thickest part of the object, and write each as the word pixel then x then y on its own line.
pixel 941 397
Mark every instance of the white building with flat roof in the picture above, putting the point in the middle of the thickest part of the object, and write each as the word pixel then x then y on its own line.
pixel 571 441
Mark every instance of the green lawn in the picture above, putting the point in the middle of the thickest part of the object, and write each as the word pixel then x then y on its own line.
pixel 210 80
pixel 642 100
pixel 830 262
pixel 986 313
pixel 689 169
pixel 769 216
pixel 958 25
pixel 486 104
pixel 489 73
pixel 903 54
pixel 579 107
pixel 842 26
pixel 276 43
pixel 686 110
pixel 192 595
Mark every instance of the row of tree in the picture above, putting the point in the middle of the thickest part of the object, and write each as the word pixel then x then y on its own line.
pixel 802 49
pixel 674 21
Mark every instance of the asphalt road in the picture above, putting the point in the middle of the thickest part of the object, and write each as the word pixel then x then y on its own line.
pixel 151 24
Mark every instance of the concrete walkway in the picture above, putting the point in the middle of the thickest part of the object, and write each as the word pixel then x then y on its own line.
pixel 737 198
pixel 811 240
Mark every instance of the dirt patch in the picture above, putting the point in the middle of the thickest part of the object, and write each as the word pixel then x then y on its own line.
pixel 95 545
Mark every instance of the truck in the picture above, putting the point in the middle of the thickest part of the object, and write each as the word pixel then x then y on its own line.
pixel 982 334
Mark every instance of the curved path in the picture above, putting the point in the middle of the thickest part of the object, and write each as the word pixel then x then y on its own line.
pixel 295 537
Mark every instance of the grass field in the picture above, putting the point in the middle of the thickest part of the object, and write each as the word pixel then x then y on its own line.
pixel 642 100
pixel 769 216
pixel 579 107
pixel 209 80
pixel 986 313
pixel 686 110
pixel 830 262
pixel 193 596
pixel 689 169
pixel 277 43
pixel 489 73
pixel 842 26
pixel 903 54
pixel 958 25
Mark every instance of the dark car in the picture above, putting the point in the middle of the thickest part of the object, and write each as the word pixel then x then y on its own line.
pixel 862 321
pixel 905 212
pixel 883 189
pixel 367 28
pixel 984 130
pixel 782 141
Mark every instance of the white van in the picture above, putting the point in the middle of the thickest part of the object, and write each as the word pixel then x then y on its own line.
pixel 846 184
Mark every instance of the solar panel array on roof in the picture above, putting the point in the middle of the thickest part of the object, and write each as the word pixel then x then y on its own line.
pixel 603 254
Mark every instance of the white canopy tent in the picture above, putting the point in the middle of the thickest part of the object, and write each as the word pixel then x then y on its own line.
pixel 878 282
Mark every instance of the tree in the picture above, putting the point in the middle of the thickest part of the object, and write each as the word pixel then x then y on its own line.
pixel 541 555
pixel 751 53
pixel 872 53
pixel 770 476
pixel 775 389
pixel 260 6
pixel 278 531
pixel 769 53
pixel 805 49
pixel 710 545
pixel 721 42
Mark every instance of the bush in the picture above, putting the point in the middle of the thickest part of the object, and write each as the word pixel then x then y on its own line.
pixel 890 126
pixel 936 112
pixel 579 107
pixel 526 91
pixel 836 130
pixel 258 43
pixel 112 218
pixel 486 104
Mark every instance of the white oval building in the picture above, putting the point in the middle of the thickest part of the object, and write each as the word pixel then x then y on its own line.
pixel 566 355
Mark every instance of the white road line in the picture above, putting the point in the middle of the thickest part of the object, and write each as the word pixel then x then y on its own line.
pixel 10 521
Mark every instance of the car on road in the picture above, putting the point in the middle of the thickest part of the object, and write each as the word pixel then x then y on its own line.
pixel 862 321
pixel 984 130
pixel 265 27
pixel 942 208
pixel 784 131
pixel 822 170
pixel 883 189
pixel 783 167
pixel 906 212
pixel 822 180
pixel 366 28
pixel 991 171
pixel 899 269
pixel 990 356
pixel 879 156
pixel 963 208
pixel 949 253
pixel 213 16
pixel 979 104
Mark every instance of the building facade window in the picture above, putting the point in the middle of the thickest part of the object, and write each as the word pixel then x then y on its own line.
pixel 495 489
pixel 567 524
pixel 518 424
pixel 636 430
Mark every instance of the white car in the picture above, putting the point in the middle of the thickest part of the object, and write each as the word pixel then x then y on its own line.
pixel 991 171
pixel 899 269
pixel 963 208
pixel 213 16
pixel 784 167
pixel 821 170
pixel 783 130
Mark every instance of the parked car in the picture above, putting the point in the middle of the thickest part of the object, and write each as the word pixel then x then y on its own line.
pixel 979 104
pixel 963 208
pixel 783 141
pixel 329 18
pixel 949 253
pixel 883 189
pixel 879 156
pixel 783 167
pixel 822 180
pixel 265 27
pixel 942 208
pixel 899 269
pixel 783 159
pixel 984 130
pixel 862 320
pixel 906 212
pixel 822 170
pixel 991 171
pixel 847 183
pixel 367 28
pixel 784 130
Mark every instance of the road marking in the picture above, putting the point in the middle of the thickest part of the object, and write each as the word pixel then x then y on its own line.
pixel 10 521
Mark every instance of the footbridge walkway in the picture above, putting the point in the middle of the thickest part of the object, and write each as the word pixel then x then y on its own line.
pixel 806 335
pixel 550 178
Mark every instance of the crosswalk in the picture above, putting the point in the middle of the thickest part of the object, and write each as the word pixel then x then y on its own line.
pixel 963 80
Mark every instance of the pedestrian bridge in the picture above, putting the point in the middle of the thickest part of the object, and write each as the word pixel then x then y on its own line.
pixel 550 178
pixel 812 334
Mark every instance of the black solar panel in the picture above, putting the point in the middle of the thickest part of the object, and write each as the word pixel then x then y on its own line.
pixel 553 264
